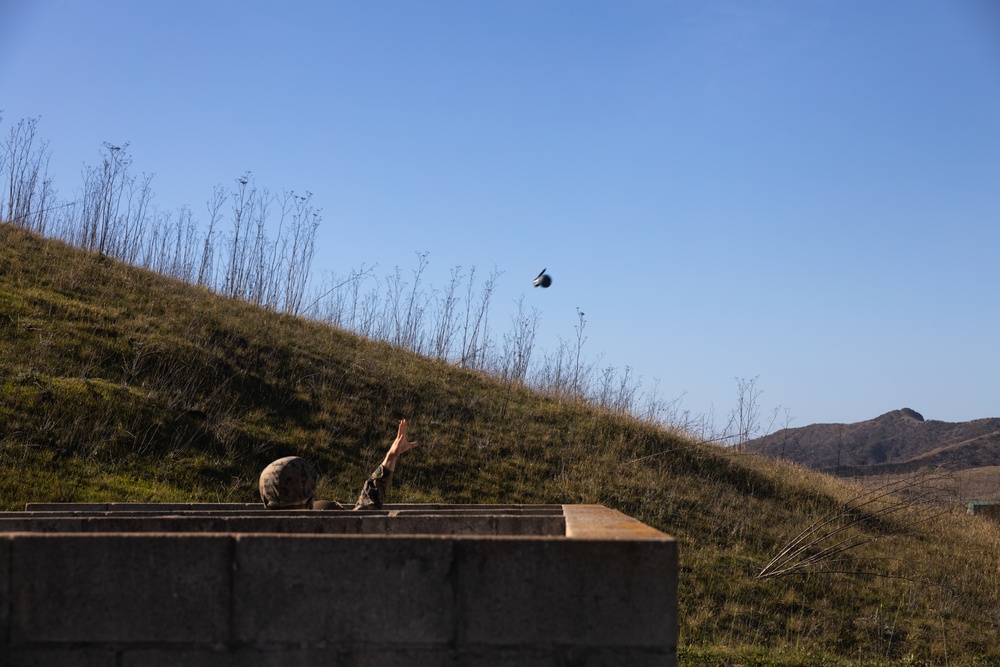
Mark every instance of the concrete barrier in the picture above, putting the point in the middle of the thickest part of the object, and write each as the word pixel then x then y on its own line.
pixel 564 585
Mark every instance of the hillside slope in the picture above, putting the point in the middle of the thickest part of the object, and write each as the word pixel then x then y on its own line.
pixel 896 442
pixel 120 385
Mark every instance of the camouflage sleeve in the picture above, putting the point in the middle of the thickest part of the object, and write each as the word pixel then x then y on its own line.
pixel 374 492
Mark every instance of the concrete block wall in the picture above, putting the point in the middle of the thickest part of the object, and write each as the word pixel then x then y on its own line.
pixel 601 591
pixel 991 512
pixel 986 508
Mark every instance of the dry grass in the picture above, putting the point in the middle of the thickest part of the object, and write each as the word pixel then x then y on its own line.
pixel 958 487
pixel 118 384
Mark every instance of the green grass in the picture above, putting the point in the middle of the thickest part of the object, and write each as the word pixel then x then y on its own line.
pixel 121 385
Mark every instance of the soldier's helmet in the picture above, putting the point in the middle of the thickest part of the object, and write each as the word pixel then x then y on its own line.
pixel 288 483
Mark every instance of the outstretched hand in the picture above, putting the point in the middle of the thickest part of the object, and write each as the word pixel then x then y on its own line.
pixel 399 446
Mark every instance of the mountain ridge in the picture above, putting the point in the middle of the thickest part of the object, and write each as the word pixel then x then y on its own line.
pixel 895 442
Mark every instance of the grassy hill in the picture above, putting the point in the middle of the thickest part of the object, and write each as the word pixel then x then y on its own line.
pixel 121 385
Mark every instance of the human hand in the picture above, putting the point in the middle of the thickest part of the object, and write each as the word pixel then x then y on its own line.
pixel 399 446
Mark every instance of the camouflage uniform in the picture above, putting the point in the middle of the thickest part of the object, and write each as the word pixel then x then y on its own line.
pixel 376 488
pixel 290 483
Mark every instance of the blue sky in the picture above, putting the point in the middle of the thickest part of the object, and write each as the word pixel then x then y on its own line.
pixel 806 191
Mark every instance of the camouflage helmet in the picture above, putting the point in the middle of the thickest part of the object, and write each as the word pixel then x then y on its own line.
pixel 287 483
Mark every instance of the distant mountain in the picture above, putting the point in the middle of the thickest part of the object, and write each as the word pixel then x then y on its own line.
pixel 897 442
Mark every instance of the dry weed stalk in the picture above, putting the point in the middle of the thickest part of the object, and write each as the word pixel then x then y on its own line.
pixel 892 507
pixel 249 261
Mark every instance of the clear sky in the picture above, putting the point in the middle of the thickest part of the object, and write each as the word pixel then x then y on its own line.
pixel 807 191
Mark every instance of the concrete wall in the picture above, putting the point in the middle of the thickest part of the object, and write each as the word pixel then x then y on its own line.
pixel 987 508
pixel 601 591
pixel 990 512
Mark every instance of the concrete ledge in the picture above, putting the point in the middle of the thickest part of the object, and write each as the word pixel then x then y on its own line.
pixel 394 519
pixel 596 522
pixel 242 508
pixel 415 585
pixel 301 523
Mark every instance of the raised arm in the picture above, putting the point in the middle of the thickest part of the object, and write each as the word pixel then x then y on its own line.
pixel 376 487
pixel 399 446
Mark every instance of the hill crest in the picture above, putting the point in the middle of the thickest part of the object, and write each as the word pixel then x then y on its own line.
pixel 896 442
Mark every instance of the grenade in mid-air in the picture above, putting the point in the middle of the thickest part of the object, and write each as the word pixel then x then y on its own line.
pixel 543 279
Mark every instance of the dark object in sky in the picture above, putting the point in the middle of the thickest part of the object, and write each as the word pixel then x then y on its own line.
pixel 543 279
